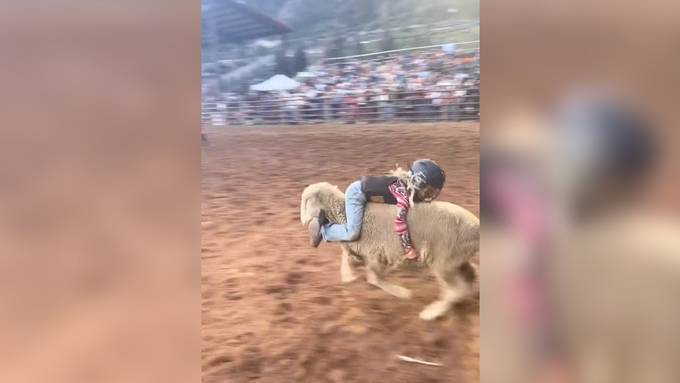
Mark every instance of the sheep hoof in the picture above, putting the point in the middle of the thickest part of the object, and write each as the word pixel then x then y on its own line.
pixel 348 278
pixel 401 292
pixel 434 310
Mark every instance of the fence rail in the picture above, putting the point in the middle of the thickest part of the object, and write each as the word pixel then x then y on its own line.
pixel 444 98
pixel 280 111
pixel 408 50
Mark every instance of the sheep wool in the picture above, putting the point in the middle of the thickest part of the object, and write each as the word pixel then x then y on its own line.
pixel 445 235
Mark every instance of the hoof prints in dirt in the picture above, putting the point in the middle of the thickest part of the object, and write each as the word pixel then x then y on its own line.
pixel 288 287
pixel 309 327
pixel 250 363
pixel 280 291
pixel 294 278
pixel 233 296
pixel 220 360
pixel 231 291
pixel 283 308
pixel 324 301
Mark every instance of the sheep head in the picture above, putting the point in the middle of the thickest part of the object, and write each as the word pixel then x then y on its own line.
pixel 322 196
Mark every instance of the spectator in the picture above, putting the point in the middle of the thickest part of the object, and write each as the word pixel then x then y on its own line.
pixel 414 86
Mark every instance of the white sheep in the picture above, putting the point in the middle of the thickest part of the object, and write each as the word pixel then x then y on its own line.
pixel 445 235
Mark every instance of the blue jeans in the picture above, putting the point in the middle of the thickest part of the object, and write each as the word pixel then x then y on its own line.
pixel 355 202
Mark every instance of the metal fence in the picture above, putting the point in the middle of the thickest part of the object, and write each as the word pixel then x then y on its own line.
pixel 444 101
pixel 388 107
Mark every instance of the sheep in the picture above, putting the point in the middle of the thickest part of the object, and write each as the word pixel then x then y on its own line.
pixel 445 235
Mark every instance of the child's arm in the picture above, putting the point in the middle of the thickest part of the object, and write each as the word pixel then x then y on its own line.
pixel 399 192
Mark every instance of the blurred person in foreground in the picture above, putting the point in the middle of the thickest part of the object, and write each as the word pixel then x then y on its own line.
pixel 596 290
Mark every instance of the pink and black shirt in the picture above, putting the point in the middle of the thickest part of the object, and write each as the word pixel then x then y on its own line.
pixel 392 191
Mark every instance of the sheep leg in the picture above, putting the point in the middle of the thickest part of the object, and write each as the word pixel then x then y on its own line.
pixel 469 273
pixel 454 287
pixel 374 277
pixel 347 273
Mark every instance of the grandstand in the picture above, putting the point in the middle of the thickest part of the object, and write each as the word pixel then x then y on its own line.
pixel 433 82
pixel 228 29
pixel 226 23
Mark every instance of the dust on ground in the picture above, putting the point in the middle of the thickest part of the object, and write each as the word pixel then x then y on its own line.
pixel 273 309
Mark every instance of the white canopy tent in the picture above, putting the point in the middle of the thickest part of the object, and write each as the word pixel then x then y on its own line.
pixel 276 82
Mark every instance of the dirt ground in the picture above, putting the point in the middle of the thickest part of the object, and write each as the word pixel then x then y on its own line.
pixel 273 309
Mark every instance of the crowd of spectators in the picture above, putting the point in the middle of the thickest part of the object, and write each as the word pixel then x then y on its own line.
pixel 421 86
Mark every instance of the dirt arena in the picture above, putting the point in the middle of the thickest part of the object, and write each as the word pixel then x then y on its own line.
pixel 273 309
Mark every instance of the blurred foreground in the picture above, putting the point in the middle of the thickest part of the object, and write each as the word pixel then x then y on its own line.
pixel 583 259
pixel 581 237
pixel 99 195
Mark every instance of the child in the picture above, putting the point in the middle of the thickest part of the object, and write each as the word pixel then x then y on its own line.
pixel 422 183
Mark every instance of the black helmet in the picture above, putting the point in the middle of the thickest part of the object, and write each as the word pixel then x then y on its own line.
pixel 430 172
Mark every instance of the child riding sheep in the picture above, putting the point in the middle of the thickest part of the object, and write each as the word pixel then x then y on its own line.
pixel 421 183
